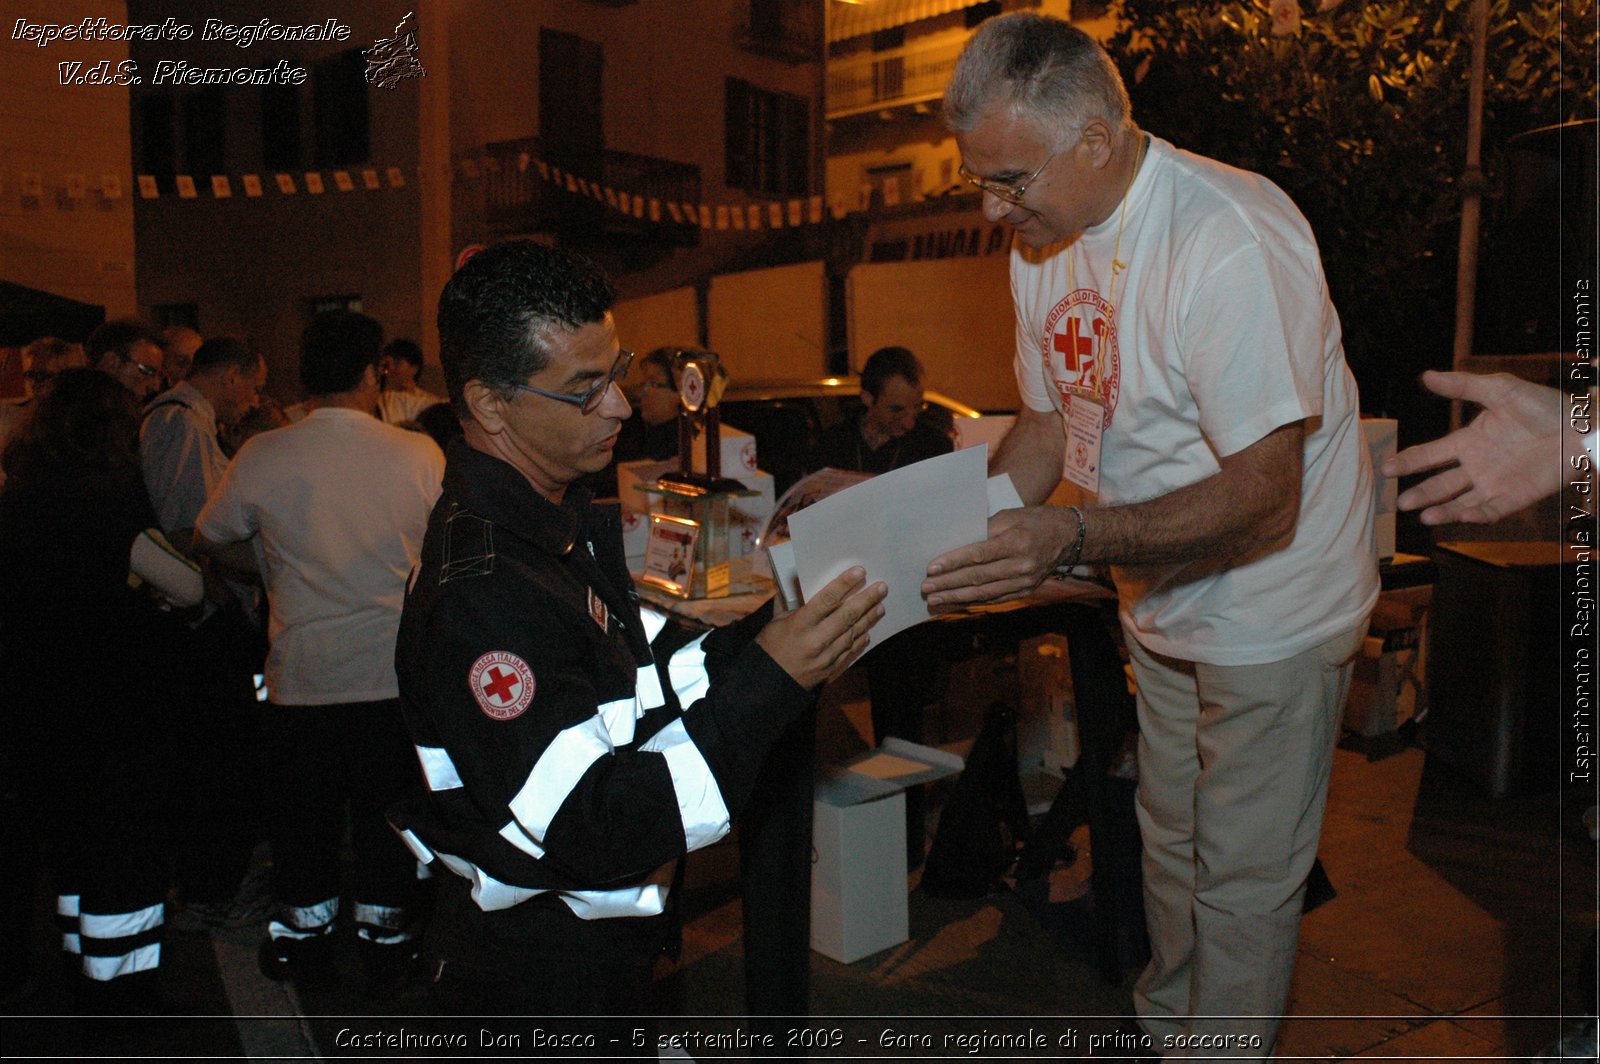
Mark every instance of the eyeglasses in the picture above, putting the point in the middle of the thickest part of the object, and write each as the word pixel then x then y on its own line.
pixel 144 370
pixel 39 376
pixel 1010 191
pixel 590 400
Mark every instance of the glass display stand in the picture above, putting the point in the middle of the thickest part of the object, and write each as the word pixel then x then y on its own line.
pixel 708 511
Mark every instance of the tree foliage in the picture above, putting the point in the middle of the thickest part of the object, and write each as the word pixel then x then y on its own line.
pixel 1358 109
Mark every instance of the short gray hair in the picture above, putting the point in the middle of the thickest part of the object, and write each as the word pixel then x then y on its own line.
pixel 1043 67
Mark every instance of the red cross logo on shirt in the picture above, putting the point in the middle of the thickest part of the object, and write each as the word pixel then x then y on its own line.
pixel 501 684
pixel 1076 351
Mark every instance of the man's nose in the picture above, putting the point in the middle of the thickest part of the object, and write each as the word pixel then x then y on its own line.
pixel 995 208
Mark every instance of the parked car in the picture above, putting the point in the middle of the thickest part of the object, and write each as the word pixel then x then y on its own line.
pixel 787 418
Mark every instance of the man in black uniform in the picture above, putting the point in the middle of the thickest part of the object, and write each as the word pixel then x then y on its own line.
pixel 887 433
pixel 567 772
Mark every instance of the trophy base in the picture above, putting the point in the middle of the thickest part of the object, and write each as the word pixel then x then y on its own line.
pixel 700 484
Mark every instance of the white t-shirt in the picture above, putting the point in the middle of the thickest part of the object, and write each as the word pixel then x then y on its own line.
pixel 1222 331
pixel 341 502
pixel 395 407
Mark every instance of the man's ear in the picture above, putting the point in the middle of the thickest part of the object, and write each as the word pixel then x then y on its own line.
pixel 1098 139
pixel 485 406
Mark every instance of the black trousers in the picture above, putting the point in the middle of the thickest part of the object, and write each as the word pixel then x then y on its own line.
pixel 325 763
pixel 775 865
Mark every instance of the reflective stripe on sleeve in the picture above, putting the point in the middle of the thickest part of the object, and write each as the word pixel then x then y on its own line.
pixel 700 805
pixel 648 687
pixel 557 771
pixel 619 717
pixel 653 620
pixel 438 769
pixel 687 672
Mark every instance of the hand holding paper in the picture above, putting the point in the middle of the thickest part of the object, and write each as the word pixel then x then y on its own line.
pixel 821 639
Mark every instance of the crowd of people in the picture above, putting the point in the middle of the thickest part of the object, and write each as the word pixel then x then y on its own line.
pixel 169 733
pixel 444 652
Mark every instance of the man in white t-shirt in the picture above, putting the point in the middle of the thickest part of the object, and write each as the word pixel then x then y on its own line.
pixel 340 501
pixel 1180 362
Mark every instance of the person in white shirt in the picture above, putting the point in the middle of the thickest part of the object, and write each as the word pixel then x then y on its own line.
pixel 340 502
pixel 402 399
pixel 1180 362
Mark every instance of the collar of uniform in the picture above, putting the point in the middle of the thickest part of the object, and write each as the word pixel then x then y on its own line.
pixel 185 394
pixel 494 490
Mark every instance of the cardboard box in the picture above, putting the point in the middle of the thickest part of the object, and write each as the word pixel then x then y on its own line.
pixel 858 839
pixel 989 430
pixel 747 517
pixel 630 475
pixel 1382 435
pixel 1388 686
pixel 738 452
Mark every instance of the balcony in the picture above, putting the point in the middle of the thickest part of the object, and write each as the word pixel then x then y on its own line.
pixel 884 80
pixel 519 200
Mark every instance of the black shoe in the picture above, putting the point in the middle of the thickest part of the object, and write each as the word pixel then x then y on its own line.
pixel 391 968
pixel 303 960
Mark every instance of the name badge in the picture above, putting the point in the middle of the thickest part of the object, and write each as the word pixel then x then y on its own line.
pixel 1085 426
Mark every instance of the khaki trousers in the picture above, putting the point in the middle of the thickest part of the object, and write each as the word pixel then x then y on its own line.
pixel 1233 781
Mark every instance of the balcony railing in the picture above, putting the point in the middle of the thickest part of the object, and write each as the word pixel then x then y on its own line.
pixel 888 79
pixel 518 199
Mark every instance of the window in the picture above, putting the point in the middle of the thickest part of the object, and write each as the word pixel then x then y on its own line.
pixel 339 100
pixel 767 140
pixel 158 149
pixel 322 304
pixel 977 14
pixel 205 128
pixel 185 314
pixel 280 127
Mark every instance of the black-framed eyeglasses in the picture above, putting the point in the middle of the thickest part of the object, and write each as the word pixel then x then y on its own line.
pixel 1010 191
pixel 590 400
pixel 144 369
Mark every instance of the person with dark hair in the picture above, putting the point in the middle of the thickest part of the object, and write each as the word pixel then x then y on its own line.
pixel 73 504
pixel 574 746
pixel 339 501
pixel 886 433
pixel 1180 363
pixel 42 361
pixel 178 345
pixel 130 351
pixel 183 463
pixel 402 399
pixel 182 455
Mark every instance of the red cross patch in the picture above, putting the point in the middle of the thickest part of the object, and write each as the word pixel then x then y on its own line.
pixel 502 684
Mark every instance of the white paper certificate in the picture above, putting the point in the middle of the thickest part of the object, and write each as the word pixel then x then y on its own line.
pixel 894 525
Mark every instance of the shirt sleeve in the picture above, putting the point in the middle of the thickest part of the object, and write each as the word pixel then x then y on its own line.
pixel 227 516
pixel 1251 373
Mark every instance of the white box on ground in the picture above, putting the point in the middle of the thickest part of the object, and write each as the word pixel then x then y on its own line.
pixel 1382 435
pixel 858 838
pixel 738 451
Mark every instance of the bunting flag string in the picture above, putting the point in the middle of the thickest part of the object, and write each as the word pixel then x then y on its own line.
pixel 32 186
pixel 790 213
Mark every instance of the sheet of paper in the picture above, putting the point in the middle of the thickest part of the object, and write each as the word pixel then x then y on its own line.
pixel 894 525
pixel 1003 494
pixel 888 767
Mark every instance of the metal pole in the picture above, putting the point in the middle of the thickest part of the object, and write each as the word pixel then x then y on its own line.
pixel 1471 201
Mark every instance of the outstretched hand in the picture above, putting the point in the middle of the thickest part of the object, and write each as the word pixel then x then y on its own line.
pixel 1508 457
pixel 1019 554
pixel 818 641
